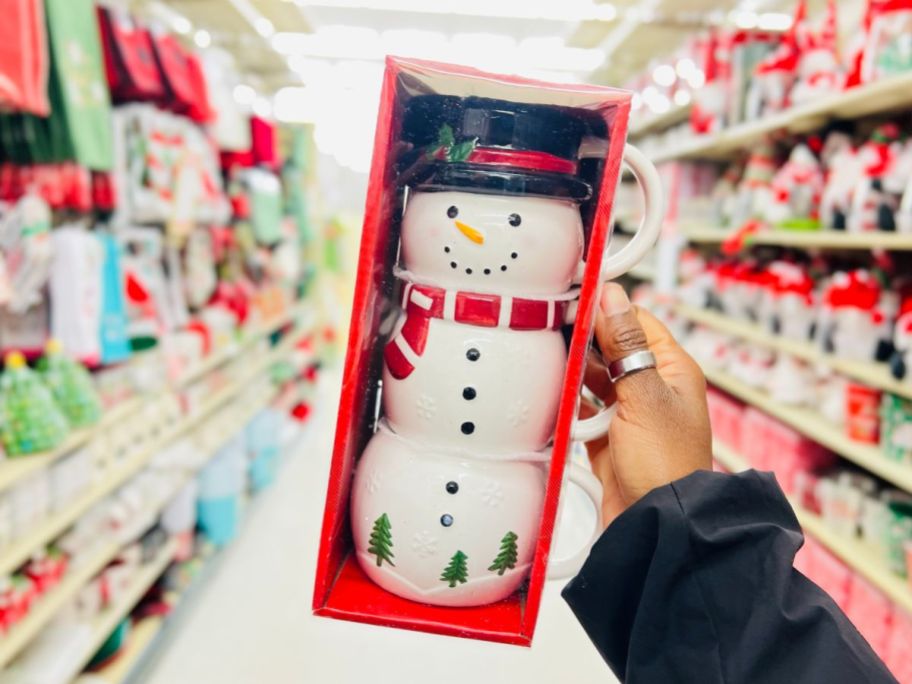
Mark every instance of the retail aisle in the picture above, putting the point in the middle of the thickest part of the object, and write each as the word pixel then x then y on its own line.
pixel 253 624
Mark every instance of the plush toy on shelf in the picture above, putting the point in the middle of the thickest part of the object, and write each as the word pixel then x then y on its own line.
pixel 724 195
pixel 752 365
pixel 791 381
pixel 791 294
pixel 71 385
pixel 901 360
pixel 31 420
pixel 875 196
pixel 797 188
pixel 755 191
pixel 696 280
pixel 854 324
pixel 818 72
pixel 843 168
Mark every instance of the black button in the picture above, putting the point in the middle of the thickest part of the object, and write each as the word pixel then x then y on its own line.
pixel 468 393
pixel 452 487
pixel 473 354
pixel 446 519
pixel 467 428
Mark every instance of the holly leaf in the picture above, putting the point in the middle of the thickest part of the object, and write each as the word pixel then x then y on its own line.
pixel 445 136
pixel 461 152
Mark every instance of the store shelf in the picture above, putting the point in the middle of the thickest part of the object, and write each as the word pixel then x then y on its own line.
pixel 49 529
pixel 118 670
pixel 675 115
pixel 47 607
pixel 853 552
pixel 881 97
pixel 105 623
pixel 813 425
pixel 870 373
pixel 818 239
pixel 16 469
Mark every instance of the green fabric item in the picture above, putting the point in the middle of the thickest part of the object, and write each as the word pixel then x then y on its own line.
pixel 80 123
pixel 266 215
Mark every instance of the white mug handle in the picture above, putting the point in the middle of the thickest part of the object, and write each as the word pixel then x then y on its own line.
pixel 653 214
pixel 618 264
pixel 563 568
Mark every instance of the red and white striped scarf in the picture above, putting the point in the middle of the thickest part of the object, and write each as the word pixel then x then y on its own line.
pixel 424 302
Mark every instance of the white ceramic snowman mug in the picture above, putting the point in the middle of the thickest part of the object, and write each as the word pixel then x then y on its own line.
pixel 447 496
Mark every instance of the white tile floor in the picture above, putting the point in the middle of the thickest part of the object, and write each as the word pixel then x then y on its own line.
pixel 252 624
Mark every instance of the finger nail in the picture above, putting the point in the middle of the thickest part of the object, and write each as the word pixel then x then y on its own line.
pixel 614 300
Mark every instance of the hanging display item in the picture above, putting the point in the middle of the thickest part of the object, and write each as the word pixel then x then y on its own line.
pixel 80 126
pixel 128 57
pixel 476 188
pixel 24 58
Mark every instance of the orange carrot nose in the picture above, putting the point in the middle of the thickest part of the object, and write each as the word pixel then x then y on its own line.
pixel 475 236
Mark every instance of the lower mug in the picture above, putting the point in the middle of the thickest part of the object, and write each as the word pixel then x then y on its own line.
pixel 453 529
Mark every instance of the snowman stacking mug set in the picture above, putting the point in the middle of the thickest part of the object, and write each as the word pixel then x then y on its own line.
pixel 447 496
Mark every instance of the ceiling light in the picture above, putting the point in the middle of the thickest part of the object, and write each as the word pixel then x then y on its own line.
pixel 664 75
pixel 774 21
pixel 685 66
pixel 264 27
pixel 202 38
pixel 493 51
pixel 696 79
pixel 569 11
pixel 177 21
pixel 682 98
pixel 244 94
pixel 744 19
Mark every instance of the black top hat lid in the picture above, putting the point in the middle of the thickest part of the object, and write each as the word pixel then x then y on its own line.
pixel 492 146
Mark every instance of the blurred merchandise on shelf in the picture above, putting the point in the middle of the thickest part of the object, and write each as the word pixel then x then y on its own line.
pixel 30 420
pixel 70 385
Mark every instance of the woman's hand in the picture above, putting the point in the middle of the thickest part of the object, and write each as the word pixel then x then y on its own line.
pixel 661 431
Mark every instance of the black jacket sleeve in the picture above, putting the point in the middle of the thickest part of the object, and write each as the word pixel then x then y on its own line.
pixel 694 583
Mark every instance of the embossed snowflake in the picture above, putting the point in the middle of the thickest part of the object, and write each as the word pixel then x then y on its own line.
pixel 518 414
pixel 374 480
pixel 424 544
pixel 426 407
pixel 492 495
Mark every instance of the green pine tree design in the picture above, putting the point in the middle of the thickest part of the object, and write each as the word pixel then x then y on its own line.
pixel 506 558
pixel 457 570
pixel 381 541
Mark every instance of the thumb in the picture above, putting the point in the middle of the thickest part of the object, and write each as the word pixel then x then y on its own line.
pixel 620 334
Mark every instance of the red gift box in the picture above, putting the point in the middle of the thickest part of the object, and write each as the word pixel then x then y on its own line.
pixel 341 589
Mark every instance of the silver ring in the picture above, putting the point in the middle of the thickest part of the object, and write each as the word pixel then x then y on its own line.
pixel 631 364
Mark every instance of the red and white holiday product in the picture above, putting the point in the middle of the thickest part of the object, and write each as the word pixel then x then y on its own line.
pixel 130 64
pixel 475 186
pixel 24 58
pixel 792 301
pixel 818 72
pixel 843 169
pixel 853 323
pixel 875 198
pixel 797 188
pixel 863 413
pixel 901 360
pixel 887 48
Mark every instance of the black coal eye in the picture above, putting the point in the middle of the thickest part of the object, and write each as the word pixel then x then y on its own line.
pixel 515 219
pixel 453 212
